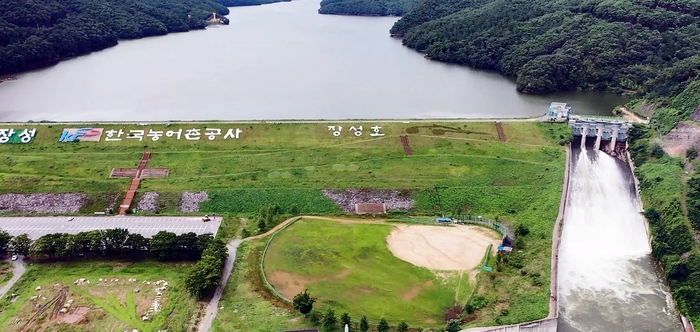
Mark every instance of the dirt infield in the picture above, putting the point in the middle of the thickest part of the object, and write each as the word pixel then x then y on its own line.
pixel 443 248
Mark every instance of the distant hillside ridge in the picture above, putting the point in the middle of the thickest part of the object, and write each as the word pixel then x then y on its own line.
pixel 40 33
pixel 367 7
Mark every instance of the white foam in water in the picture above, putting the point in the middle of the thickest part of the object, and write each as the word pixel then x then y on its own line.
pixel 607 282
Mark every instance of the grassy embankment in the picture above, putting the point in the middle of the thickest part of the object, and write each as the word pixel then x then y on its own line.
pixel 455 166
pixel 114 305
pixel 664 190
pixel 529 196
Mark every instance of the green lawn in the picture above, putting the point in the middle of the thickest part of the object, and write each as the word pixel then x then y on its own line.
pixel 114 305
pixel 349 268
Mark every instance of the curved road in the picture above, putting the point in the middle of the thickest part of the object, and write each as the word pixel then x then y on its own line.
pixel 17 273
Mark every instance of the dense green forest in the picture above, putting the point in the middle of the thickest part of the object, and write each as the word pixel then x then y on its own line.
pixel 367 7
pixel 39 33
pixel 645 46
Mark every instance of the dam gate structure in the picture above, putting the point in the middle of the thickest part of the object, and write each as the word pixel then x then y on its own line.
pixel 605 133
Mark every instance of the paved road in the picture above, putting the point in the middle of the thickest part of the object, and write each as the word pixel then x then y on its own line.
pixel 17 273
pixel 36 227
pixel 213 306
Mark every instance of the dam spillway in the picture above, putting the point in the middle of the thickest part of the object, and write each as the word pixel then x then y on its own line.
pixel 608 281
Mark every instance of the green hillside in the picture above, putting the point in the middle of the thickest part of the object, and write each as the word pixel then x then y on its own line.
pixel 40 33
pixel 633 46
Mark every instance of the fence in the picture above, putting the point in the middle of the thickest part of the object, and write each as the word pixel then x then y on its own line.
pixel 484 266
pixel 262 260
pixel 474 220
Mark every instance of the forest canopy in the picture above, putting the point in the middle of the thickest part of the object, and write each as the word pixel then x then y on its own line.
pixel 367 7
pixel 648 47
pixel 39 33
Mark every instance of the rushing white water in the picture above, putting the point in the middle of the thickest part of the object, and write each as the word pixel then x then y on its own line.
pixel 607 280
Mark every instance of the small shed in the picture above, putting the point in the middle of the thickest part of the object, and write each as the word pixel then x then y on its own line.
pixel 559 111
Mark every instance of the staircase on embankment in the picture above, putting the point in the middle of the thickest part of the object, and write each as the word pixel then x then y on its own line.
pixel 406 146
pixel 135 183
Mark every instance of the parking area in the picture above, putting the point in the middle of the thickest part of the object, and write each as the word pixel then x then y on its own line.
pixel 36 227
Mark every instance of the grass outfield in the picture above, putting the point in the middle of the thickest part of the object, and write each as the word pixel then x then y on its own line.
pixel 114 306
pixel 349 268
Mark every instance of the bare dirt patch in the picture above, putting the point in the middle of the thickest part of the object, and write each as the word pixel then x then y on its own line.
pixel 75 317
pixel 289 284
pixel 455 248
pixel 680 138
pixel 343 274
pixel 415 290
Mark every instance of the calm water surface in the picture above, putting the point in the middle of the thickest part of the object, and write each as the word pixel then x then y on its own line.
pixel 280 61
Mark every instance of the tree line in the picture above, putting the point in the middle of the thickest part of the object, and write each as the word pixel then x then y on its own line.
pixel 632 46
pixel 367 7
pixel 304 302
pixel 40 33
pixel 201 280
pixel 108 243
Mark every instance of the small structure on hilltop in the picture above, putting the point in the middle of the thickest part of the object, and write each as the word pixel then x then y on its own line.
pixel 558 111
pixel 215 19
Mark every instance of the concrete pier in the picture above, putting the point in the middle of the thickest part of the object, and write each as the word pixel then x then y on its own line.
pixel 599 137
pixel 601 128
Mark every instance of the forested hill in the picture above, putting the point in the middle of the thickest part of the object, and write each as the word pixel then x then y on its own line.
pixel 367 7
pixel 39 33
pixel 645 46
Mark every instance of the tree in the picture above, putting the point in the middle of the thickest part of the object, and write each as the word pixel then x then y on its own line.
pixel 5 239
pixel 383 325
pixel 453 326
pixel 20 244
pixel 691 153
pixel 330 322
pixel 402 327
pixel 345 320
pixel 303 302
pixel 188 246
pixel 114 240
pixel 364 325
pixel 204 277
pixel 164 245
pixel 262 226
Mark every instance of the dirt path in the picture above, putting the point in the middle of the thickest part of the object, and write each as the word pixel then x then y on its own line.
pixel 633 116
pixel 17 273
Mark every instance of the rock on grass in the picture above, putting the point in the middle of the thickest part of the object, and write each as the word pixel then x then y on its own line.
pixel 41 203
pixel 148 202
pixel 190 201
pixel 347 198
